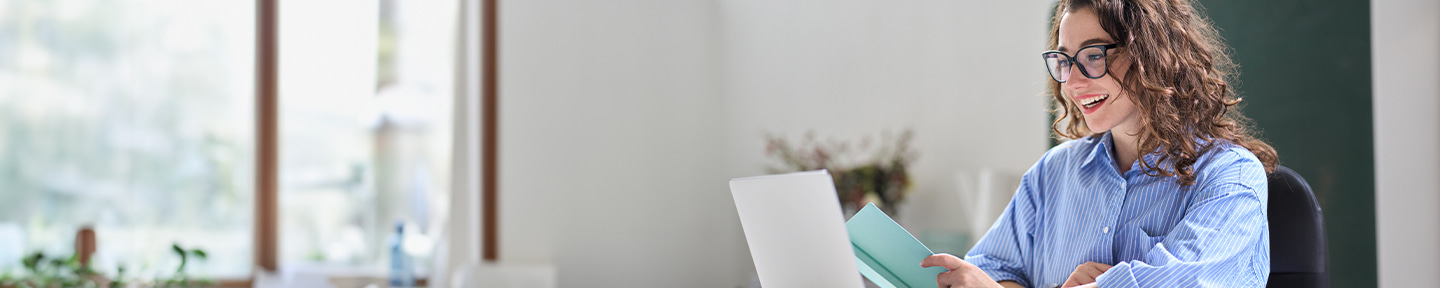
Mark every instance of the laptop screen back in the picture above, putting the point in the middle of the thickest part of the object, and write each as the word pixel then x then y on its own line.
pixel 796 230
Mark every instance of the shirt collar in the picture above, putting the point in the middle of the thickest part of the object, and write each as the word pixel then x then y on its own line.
pixel 1101 150
pixel 1102 153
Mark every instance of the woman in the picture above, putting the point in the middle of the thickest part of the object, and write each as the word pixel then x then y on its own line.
pixel 1162 184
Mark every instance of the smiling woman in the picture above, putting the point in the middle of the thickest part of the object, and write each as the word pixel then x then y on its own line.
pixel 1185 81
pixel 1161 185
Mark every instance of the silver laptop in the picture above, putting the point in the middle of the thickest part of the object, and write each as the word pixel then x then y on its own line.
pixel 796 230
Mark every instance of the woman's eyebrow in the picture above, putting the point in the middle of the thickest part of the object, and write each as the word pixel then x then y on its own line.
pixel 1086 43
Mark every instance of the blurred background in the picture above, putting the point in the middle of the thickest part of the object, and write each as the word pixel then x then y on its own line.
pixel 618 124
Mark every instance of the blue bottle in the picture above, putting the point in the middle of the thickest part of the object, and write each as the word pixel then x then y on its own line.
pixel 402 274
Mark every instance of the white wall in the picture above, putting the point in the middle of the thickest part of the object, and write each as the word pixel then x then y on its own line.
pixel 1406 47
pixel 610 164
pixel 964 75
pixel 621 121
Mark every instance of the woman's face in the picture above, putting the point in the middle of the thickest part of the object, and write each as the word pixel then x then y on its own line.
pixel 1111 107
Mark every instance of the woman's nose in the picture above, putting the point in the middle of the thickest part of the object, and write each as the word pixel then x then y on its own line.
pixel 1077 79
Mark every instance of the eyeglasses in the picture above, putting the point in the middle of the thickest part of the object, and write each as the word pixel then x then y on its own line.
pixel 1090 58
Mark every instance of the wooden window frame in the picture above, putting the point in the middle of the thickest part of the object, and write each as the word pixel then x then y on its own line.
pixel 489 106
pixel 267 135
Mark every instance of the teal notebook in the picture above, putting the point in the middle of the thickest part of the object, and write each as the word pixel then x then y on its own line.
pixel 887 254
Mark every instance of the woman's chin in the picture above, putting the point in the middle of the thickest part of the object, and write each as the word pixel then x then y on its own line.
pixel 1098 128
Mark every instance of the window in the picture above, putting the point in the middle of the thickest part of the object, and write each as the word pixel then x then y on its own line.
pixel 365 103
pixel 137 118
pixel 134 117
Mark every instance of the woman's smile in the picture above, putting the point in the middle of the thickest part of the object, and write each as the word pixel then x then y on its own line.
pixel 1091 102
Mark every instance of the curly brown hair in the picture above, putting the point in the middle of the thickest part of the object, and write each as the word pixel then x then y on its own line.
pixel 1181 88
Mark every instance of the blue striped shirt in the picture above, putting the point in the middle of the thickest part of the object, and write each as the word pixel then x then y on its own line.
pixel 1075 206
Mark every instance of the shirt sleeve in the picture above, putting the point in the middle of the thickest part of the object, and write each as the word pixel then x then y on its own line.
pixel 1222 241
pixel 1001 253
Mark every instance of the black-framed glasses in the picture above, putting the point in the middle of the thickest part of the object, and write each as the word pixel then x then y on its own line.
pixel 1091 60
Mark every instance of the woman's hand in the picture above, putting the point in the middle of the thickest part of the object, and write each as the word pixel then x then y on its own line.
pixel 962 274
pixel 1085 274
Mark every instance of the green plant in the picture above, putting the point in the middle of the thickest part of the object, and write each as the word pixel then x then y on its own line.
pixel 119 280
pixel 41 271
pixel 181 278
pixel 7 279
pixel 46 272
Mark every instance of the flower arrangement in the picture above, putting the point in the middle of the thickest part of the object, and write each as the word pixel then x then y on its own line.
pixel 867 174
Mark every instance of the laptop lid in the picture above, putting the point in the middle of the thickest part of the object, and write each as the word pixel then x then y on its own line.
pixel 796 230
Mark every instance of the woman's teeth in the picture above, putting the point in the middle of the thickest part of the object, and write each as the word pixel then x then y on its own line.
pixel 1092 101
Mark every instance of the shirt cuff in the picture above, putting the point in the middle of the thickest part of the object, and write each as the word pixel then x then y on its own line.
pixel 1116 277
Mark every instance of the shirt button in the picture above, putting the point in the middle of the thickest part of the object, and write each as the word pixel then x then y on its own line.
pixel 1105 230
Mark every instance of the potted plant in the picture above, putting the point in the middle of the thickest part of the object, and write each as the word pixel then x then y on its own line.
pixel 867 174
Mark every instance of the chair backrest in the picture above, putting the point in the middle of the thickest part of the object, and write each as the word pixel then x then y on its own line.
pixel 1298 256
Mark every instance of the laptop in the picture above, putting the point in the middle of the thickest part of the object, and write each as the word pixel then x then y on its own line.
pixel 796 230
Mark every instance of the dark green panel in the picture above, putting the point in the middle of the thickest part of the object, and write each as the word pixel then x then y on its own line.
pixel 1305 77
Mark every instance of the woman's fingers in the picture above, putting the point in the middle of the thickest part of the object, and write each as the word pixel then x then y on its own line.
pixel 1085 274
pixel 961 274
pixel 1102 267
pixel 950 262
pixel 1075 277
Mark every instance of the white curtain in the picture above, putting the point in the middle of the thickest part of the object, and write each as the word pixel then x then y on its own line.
pixel 459 247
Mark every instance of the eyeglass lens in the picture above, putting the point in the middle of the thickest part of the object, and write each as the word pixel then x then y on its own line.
pixel 1091 60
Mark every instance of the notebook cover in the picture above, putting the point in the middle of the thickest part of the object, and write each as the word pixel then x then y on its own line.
pixel 887 254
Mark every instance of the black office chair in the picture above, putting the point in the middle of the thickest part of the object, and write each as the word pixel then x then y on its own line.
pixel 1297 233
